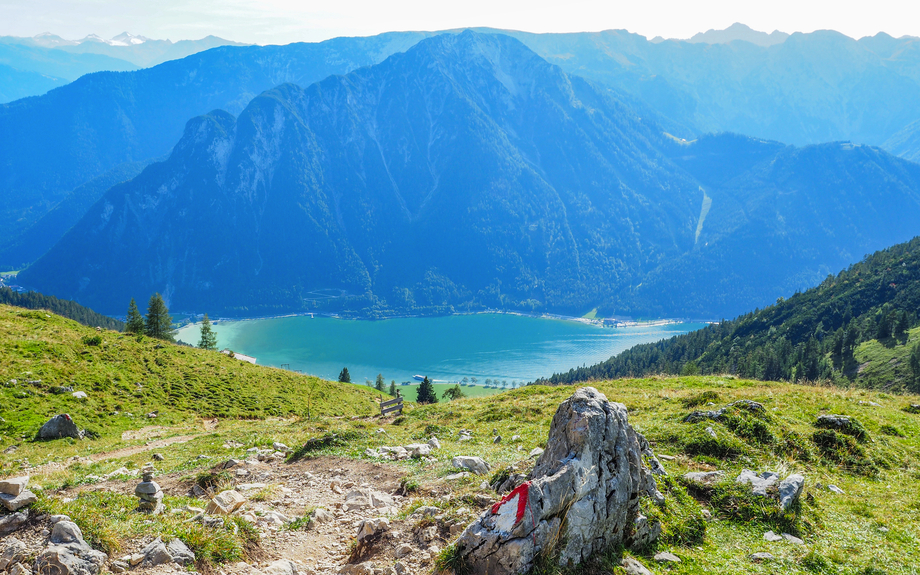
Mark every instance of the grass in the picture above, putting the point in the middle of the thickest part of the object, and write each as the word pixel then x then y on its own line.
pixel 842 532
pixel 885 364
pixel 126 377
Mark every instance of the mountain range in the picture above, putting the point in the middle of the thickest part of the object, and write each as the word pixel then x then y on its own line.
pixel 468 171
pixel 32 66
pixel 810 88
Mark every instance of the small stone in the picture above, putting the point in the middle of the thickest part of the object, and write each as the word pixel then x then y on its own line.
pixel 454 476
pixel 281 447
pixel 158 457
pixel 225 503
pixel 770 536
pixel 704 477
pixel 498 439
pixel 323 516
pixel 79 395
pixel 759 483
pixel 20 569
pixel 665 557
pixel 12 522
pixel 535 452
pixel 789 491
pixel 835 489
pixel 475 464
pixel 118 567
pixel 372 527
pixel 793 539
pixel 761 557
pixel 434 443
pixel 403 550
pixel 665 457
pixel 634 567
pixel 712 432
pixel 14 485
pixel 13 550
pixel 17 502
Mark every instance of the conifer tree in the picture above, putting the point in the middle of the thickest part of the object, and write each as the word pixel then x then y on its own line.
pixel 158 323
pixel 208 337
pixel 380 385
pixel 135 321
pixel 426 392
pixel 344 376
pixel 393 387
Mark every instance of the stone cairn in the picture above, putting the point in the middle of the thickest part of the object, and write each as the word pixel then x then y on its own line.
pixel 149 493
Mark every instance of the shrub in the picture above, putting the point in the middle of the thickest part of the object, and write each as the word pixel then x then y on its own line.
pixel 92 340
pixel 844 450
pixel 891 430
pixel 325 442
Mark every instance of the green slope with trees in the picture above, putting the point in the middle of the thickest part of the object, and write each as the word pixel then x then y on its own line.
pixel 66 308
pixel 858 326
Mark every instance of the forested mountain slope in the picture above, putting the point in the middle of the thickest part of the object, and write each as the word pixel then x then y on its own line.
pixel 859 325
pixel 469 173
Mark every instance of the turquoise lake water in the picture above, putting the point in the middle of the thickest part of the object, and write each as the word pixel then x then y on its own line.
pixel 497 346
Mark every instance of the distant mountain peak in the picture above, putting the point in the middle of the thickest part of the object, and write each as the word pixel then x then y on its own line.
pixel 127 39
pixel 739 31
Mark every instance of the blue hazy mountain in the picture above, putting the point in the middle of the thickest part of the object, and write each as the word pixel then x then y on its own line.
pixel 739 32
pixel 810 88
pixel 54 143
pixel 469 172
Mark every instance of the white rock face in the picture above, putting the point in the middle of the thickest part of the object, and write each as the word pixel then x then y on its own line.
pixel 789 491
pixel 759 483
pixel 592 472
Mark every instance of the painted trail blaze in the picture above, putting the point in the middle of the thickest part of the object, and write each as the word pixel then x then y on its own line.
pixel 521 491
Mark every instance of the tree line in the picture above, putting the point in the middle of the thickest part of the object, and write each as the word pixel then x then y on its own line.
pixel 62 307
pixel 158 324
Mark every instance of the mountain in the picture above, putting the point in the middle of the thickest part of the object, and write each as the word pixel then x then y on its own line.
pixel 860 325
pixel 466 167
pixel 140 51
pixel 811 88
pixel 106 119
pixel 30 70
pixel 779 219
pixel 469 172
pixel 906 143
pixel 739 32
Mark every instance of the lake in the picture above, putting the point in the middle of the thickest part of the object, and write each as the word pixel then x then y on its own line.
pixel 503 347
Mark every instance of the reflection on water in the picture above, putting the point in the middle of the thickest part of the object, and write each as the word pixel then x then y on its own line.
pixel 495 346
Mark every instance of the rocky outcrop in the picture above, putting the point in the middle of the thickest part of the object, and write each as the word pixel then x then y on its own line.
pixel 12 522
pixel 582 496
pixel 159 553
pixel 68 553
pixel 60 426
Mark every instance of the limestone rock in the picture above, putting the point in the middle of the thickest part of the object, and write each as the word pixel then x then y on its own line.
pixel 417 450
pixel 761 557
pixel 772 537
pixel 759 483
pixel 60 426
pixel 475 464
pixel 68 553
pixel 835 489
pixel 20 569
pixel 159 553
pixel 634 567
pixel 14 485
pixel 535 452
pixel 372 527
pixel 592 472
pixel 12 522
pixel 17 502
pixel 704 477
pixel 434 443
pixel 789 491
pixel 793 539
pixel 323 516
pixel 225 503
pixel 403 550
pixel 283 567
pixel 366 568
pixel 12 551
pixel 665 557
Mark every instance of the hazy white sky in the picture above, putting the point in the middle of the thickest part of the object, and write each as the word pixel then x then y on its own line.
pixel 284 21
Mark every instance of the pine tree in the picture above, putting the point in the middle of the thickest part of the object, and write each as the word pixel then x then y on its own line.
pixel 208 337
pixel 381 385
pixel 344 376
pixel 426 392
pixel 158 323
pixel 135 321
pixel 393 387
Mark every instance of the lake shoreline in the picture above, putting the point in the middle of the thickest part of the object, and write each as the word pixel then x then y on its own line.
pixel 560 317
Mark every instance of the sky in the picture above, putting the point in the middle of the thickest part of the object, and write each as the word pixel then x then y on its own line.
pixel 285 21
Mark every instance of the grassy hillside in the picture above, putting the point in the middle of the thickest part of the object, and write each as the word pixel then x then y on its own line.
pixel 126 377
pixel 868 529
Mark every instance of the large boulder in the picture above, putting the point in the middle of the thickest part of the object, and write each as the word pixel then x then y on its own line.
pixel 225 503
pixel 159 553
pixel 58 427
pixel 68 553
pixel 583 494
pixel 475 464
pixel 14 485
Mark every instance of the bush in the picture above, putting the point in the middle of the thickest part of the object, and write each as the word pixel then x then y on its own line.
pixel 694 440
pixel 325 442
pixel 891 430
pixel 92 340
pixel 844 450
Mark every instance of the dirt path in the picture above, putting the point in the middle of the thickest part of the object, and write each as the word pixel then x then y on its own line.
pixel 158 444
